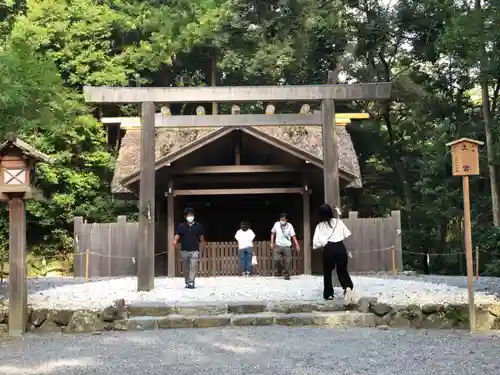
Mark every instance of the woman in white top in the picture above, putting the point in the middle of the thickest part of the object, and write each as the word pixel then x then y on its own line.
pixel 245 237
pixel 329 235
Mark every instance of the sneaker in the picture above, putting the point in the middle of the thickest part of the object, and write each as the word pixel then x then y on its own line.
pixel 349 297
pixel 287 277
pixel 329 298
pixel 190 286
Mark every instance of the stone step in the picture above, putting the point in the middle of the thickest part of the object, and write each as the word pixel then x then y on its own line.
pixel 368 312
pixel 164 309
pixel 319 319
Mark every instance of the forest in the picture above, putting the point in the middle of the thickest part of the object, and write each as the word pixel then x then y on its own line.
pixel 442 57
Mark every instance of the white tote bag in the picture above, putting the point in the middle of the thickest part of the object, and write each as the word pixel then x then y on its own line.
pixel 254 260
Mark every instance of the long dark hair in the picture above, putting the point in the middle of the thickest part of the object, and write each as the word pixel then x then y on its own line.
pixel 325 214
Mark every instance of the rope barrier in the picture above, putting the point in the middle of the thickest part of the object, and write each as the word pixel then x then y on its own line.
pixel 133 259
pixel 432 254
pixel 107 256
pixel 374 250
pixel 166 252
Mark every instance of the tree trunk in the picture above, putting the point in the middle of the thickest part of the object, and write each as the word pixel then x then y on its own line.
pixel 487 118
pixel 495 201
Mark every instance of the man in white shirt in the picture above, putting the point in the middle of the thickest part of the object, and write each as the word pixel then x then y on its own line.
pixel 282 235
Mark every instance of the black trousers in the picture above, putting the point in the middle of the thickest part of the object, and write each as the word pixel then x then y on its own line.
pixel 335 256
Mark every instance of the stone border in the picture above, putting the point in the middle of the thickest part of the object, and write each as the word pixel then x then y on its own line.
pixel 367 313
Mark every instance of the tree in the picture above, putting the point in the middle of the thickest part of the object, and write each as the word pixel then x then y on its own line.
pixel 35 104
pixel 473 39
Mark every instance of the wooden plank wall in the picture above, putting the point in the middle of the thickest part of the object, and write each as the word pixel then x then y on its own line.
pixel 370 244
pixel 113 245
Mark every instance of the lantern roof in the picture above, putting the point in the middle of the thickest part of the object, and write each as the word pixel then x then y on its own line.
pixel 25 148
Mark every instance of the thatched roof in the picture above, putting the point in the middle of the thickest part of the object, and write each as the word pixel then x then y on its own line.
pixel 307 139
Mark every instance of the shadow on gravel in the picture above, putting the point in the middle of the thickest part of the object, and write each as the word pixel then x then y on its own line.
pixel 252 351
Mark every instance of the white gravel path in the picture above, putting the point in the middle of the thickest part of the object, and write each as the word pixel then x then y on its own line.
pixel 72 293
pixel 255 351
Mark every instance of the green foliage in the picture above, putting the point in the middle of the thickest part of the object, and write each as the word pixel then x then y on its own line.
pixel 489 244
pixel 78 37
pixel 27 81
pixel 36 105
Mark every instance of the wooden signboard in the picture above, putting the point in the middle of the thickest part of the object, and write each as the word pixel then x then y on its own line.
pixel 465 158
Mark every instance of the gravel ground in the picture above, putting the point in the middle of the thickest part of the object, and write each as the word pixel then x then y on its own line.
pixel 484 284
pixel 262 351
pixel 75 294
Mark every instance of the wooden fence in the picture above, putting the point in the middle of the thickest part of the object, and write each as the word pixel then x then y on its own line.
pixel 113 248
pixel 221 259
pixel 372 241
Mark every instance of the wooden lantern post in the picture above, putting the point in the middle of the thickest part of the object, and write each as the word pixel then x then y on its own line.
pixel 465 160
pixel 17 162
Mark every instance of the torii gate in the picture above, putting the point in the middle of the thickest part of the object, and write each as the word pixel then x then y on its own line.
pixel 148 96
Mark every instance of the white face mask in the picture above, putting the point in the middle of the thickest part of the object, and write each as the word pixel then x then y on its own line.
pixel 190 219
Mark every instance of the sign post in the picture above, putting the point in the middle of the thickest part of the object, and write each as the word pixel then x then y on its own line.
pixel 465 160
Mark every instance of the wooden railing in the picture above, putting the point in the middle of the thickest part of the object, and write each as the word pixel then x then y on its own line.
pixel 222 259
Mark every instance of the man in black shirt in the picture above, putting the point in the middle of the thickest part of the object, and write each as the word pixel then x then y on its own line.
pixel 190 234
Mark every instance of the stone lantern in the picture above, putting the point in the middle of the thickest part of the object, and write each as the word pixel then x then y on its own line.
pixel 17 164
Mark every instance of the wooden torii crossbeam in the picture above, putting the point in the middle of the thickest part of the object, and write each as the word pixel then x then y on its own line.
pixel 148 96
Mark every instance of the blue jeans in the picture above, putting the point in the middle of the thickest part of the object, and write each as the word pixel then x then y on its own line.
pixel 246 259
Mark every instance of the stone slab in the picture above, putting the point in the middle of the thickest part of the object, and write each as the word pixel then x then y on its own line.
pixel 345 319
pixel 201 309
pixel 141 323
pixel 300 319
pixel 150 309
pixel 176 321
pixel 246 307
pixel 261 319
pixel 210 321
